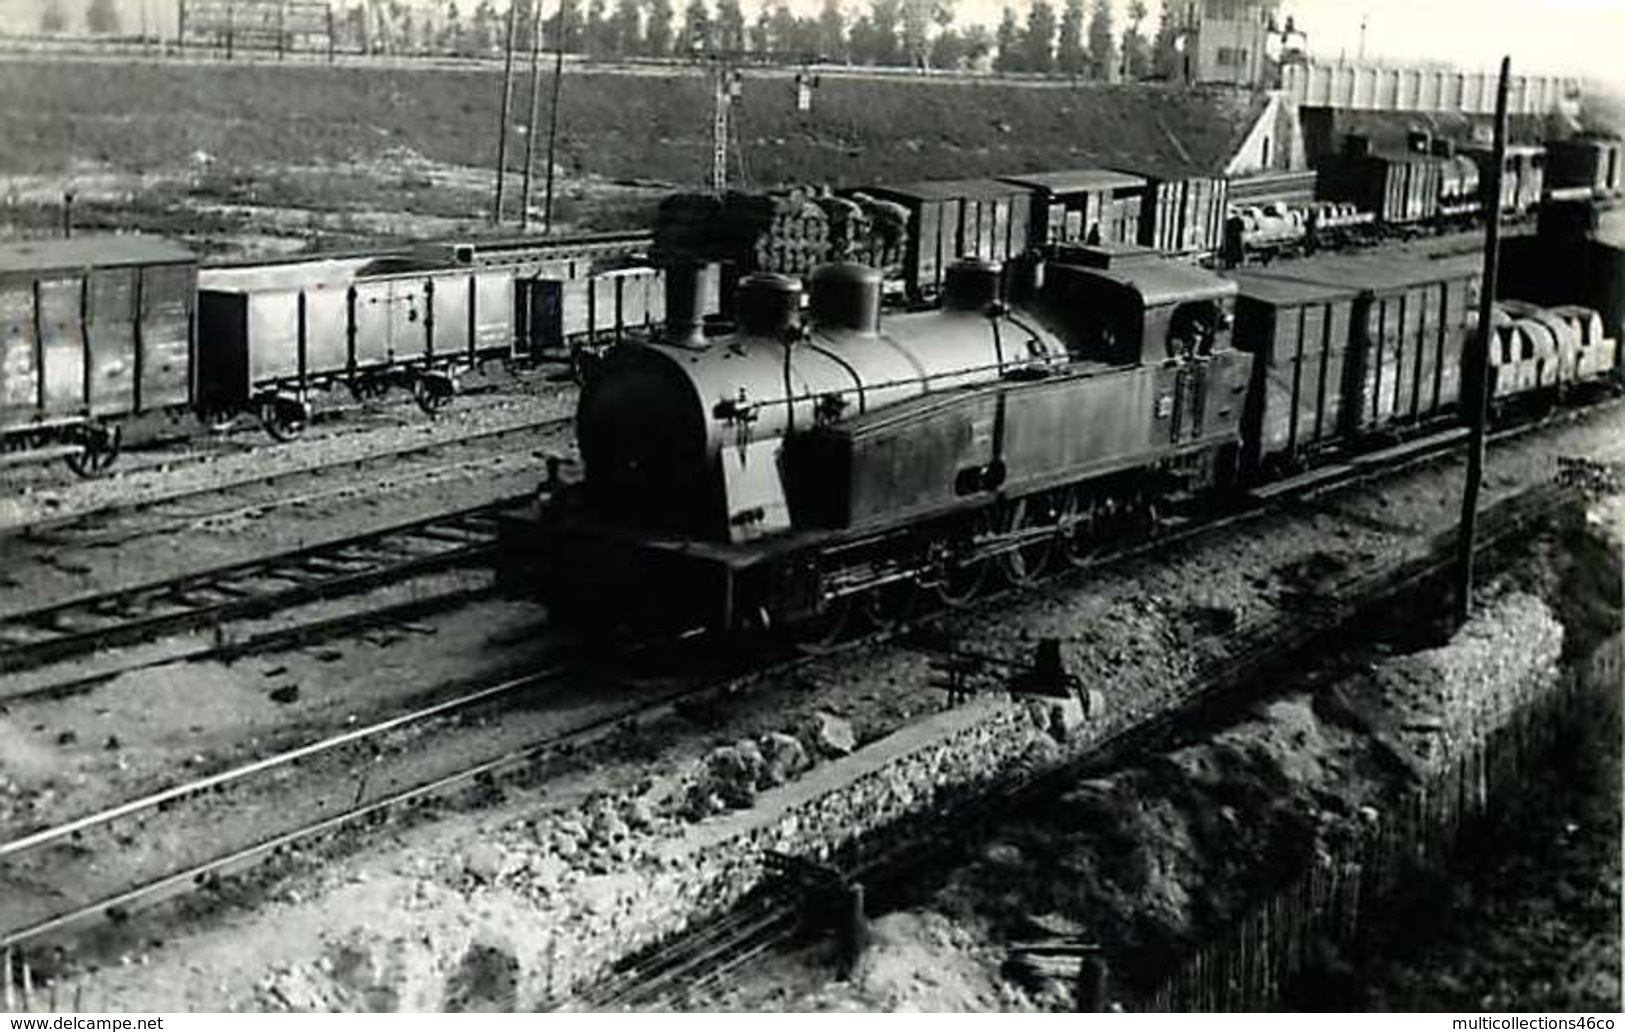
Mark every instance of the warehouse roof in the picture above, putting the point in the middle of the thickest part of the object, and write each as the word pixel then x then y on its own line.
pixel 90 252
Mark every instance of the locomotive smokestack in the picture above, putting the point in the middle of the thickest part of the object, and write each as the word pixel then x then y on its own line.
pixel 846 296
pixel 687 284
pixel 768 304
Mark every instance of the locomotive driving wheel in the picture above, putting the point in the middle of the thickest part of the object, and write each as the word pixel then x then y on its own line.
pixel 1027 563
pixel 887 607
pixel 962 573
pixel 101 448
pixel 1080 543
pixel 823 633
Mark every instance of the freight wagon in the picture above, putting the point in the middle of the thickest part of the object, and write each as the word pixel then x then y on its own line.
pixel 964 218
pixel 1086 206
pixel 94 331
pixel 275 334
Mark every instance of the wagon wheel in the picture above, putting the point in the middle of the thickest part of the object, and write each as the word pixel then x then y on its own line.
pixel 218 421
pixel 101 448
pixel 284 419
pixel 433 393
pixel 822 633
pixel 1029 562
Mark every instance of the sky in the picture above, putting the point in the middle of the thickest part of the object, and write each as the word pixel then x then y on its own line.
pixel 1578 37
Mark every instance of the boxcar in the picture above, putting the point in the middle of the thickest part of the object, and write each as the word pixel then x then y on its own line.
pixel 1523 175
pixel 1298 335
pixel 1409 320
pixel 1590 162
pixel 1092 206
pixel 272 335
pixel 93 331
pixel 1185 216
pixel 966 218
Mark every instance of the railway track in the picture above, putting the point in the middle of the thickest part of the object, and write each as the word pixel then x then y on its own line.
pixel 254 588
pixel 669 975
pixel 749 933
pixel 259 491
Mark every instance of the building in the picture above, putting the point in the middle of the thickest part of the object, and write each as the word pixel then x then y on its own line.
pixel 1227 41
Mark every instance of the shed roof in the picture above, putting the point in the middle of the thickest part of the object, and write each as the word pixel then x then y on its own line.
pixel 948 189
pixel 1083 180
pixel 91 252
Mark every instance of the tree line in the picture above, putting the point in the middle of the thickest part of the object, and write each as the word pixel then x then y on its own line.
pixel 1074 40
pixel 1079 39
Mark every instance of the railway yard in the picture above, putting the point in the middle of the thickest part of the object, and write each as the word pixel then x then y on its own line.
pixel 1023 593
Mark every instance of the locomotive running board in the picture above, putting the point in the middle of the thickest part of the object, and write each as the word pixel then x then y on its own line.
pixel 1336 471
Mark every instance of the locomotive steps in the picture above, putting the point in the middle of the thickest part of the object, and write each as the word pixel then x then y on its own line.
pixel 617 856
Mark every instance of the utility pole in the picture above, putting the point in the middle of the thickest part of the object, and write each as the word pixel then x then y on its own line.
pixel 507 99
pixel 1478 404
pixel 553 115
pixel 535 100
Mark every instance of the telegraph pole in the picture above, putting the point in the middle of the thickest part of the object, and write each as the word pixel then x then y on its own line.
pixel 535 99
pixel 1478 404
pixel 553 116
pixel 502 129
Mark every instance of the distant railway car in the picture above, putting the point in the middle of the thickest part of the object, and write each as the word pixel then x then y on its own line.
pixel 963 218
pixel 569 318
pixel 93 331
pixel 1589 162
pixel 1086 206
pixel 540 255
pixel 275 334
pixel 1523 175
pixel 1185 216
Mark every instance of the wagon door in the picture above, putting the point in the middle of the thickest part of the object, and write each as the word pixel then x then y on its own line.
pixel 408 322
pixel 110 323
pixel 19 368
pixel 62 345
pixel 165 340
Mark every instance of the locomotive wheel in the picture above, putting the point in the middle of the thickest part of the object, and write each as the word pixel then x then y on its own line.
pixel 822 633
pixel 1026 564
pixel 284 419
pixel 101 444
pixel 886 608
pixel 1080 545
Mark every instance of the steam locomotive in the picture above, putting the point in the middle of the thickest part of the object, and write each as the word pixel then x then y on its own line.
pixel 801 473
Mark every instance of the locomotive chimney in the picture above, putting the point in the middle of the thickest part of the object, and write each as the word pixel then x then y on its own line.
pixel 845 296
pixel 768 304
pixel 971 285
pixel 687 284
